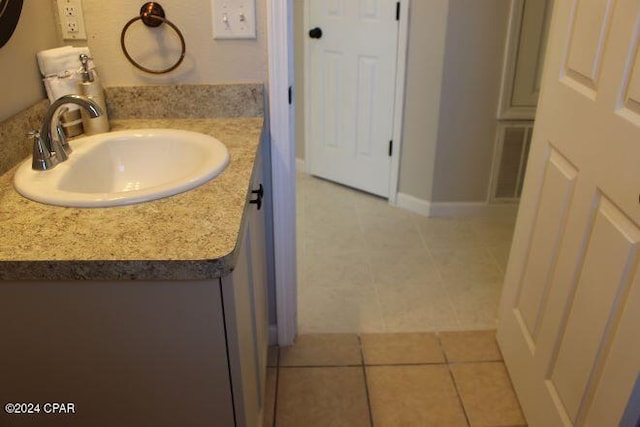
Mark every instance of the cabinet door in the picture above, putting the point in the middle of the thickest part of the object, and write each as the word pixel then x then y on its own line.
pixel 239 310
pixel 257 231
pixel 124 353
pixel 246 312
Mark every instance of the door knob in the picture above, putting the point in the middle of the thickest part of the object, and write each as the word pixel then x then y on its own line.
pixel 315 33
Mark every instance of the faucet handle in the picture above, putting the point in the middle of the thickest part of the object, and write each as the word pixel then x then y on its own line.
pixel 42 158
pixel 61 135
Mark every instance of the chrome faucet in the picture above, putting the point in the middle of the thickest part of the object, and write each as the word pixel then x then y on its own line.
pixel 51 150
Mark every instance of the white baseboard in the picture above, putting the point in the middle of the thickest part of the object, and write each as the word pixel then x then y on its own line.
pixel 454 209
pixel 413 204
pixel 300 165
pixel 472 209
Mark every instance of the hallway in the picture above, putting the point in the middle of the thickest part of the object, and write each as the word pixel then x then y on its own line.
pixel 364 266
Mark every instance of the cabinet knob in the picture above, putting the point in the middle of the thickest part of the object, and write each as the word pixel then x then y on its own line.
pixel 258 200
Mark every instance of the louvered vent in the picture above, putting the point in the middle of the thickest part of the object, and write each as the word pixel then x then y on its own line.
pixel 510 161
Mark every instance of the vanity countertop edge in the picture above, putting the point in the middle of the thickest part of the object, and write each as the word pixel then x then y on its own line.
pixel 189 236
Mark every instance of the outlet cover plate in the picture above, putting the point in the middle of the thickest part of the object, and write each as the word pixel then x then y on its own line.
pixel 234 19
pixel 71 19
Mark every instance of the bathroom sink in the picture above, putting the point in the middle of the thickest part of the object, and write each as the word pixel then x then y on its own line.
pixel 125 167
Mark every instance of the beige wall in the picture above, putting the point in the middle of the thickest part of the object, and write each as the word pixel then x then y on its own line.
pixel 20 85
pixel 207 61
pixel 476 33
pixel 427 30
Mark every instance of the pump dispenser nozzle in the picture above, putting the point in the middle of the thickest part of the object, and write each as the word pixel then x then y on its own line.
pixel 87 74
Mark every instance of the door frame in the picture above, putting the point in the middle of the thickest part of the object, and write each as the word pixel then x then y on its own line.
pixel 282 126
pixel 399 94
pixel 283 174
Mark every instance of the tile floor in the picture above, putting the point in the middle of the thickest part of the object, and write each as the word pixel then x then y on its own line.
pixel 374 285
pixel 364 266
pixel 408 379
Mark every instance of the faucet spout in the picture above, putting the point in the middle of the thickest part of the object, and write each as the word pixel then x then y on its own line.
pixel 51 122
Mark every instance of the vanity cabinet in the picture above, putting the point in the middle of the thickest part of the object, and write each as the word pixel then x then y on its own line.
pixel 244 294
pixel 136 353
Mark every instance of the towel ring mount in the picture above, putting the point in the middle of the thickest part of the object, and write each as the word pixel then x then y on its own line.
pixel 152 15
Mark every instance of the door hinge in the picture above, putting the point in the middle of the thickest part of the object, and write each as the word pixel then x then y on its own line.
pixel 290 95
pixel 390 148
pixel 397 11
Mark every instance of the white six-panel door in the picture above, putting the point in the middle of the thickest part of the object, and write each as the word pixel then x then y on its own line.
pixel 570 312
pixel 351 75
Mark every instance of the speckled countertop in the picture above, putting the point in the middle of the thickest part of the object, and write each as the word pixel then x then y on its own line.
pixel 189 236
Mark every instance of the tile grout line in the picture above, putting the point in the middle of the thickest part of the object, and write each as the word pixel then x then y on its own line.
pixel 493 258
pixel 455 385
pixel 502 268
pixel 453 379
pixel 372 276
pixel 446 290
pixel 449 363
pixel 275 399
pixel 422 238
pixel 366 382
pixel 443 281
pixel 321 366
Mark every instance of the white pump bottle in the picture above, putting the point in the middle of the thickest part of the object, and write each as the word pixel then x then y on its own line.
pixel 92 89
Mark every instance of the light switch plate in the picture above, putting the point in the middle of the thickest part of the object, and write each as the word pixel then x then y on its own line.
pixel 234 19
pixel 71 19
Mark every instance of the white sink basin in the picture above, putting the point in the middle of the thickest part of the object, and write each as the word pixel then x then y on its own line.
pixel 125 167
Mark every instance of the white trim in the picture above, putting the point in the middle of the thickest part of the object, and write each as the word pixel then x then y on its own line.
pixel 497 156
pixel 505 110
pixel 400 89
pixel 307 87
pixel 471 209
pixel 399 95
pixel 280 39
pixel 301 166
pixel 455 209
pixel 413 204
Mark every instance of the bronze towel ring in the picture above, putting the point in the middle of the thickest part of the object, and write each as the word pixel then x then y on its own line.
pixel 152 15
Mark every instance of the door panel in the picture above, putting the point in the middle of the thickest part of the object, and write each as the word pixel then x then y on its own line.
pixel 631 89
pixel 611 394
pixel 351 72
pixel 557 191
pixel 333 109
pixel 589 32
pixel 611 259
pixel 571 288
pixel 367 99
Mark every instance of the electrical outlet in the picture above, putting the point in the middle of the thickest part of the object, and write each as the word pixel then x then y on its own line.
pixel 72 27
pixel 71 20
pixel 234 19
